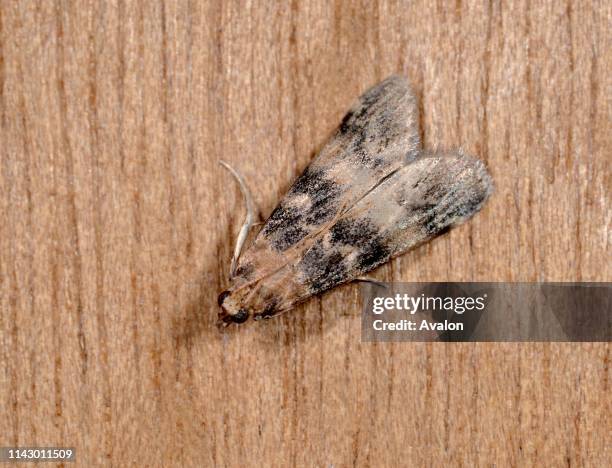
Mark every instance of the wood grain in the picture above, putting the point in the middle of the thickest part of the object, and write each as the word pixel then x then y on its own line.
pixel 118 226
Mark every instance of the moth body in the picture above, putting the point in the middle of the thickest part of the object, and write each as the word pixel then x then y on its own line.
pixel 371 194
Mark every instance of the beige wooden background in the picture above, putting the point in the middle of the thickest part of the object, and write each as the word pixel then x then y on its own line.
pixel 118 225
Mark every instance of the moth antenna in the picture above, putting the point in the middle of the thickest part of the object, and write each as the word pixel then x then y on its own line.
pixel 248 220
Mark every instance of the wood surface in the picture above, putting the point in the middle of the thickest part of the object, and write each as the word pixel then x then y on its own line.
pixel 118 227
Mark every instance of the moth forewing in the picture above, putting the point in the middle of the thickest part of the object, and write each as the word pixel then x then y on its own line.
pixel 378 135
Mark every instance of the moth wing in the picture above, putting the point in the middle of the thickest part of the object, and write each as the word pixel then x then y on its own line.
pixel 416 203
pixel 410 206
pixel 378 135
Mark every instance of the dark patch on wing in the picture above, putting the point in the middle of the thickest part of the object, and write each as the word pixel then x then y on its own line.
pixel 352 231
pixel 465 207
pixel 323 267
pixel 288 237
pixel 426 213
pixel 346 125
pixel 288 225
pixel 436 218
pixel 307 181
pixel 433 222
pixel 323 206
pixel 280 218
pixel 354 120
pixel 284 227
pixel 322 192
pixel 376 127
pixel 372 254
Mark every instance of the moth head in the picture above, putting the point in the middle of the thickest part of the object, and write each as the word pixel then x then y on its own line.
pixel 231 312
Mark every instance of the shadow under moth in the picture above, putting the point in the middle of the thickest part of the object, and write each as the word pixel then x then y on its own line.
pixel 371 194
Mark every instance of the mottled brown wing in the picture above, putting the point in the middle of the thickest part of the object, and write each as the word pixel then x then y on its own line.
pixel 410 206
pixel 378 135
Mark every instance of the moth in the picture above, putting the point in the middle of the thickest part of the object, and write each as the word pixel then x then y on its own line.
pixel 371 194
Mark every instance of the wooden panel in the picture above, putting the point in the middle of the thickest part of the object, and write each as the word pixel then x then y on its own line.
pixel 118 226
